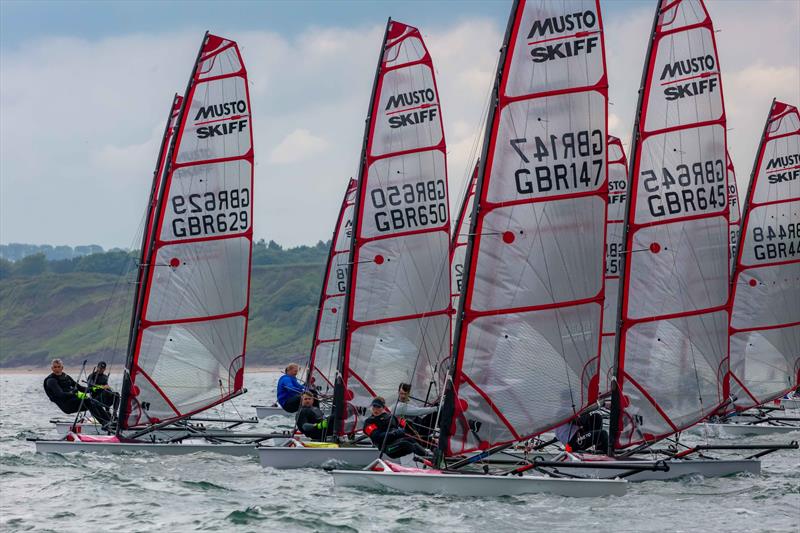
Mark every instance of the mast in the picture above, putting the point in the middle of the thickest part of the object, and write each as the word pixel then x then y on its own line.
pixel 673 336
pixel 616 412
pixel 149 240
pixel 530 315
pixel 339 387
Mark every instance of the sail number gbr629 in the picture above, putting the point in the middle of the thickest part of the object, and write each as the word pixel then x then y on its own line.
pixel 210 213
pixel 686 189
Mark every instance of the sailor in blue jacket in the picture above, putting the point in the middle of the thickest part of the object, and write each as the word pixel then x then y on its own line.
pixel 290 389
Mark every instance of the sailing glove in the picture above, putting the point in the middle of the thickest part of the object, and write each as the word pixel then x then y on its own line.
pixel 322 425
pixel 82 395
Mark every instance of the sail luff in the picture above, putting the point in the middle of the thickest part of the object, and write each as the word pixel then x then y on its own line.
pixel 460 238
pixel 339 393
pixel 672 339
pixel 527 342
pixel 191 338
pixel 160 181
pixel 764 361
pixel 340 226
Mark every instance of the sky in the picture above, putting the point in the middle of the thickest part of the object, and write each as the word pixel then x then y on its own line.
pixel 85 88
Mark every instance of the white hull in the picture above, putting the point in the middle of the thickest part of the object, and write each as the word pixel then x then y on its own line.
pixel 266 411
pixel 790 403
pixel 300 457
pixel 477 485
pixel 65 446
pixel 744 430
pixel 678 468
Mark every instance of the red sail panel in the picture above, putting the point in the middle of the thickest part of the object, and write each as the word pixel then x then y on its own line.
pixel 765 316
pixel 325 350
pixel 617 200
pixel 526 349
pixel 398 313
pixel 734 208
pixel 674 294
pixel 458 245
pixel 188 350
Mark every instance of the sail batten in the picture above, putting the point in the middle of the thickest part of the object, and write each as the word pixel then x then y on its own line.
pixel 397 301
pixel 672 340
pixel 526 346
pixel 189 337
pixel 765 301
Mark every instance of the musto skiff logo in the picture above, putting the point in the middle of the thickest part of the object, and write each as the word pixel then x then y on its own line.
pixel 548 45
pixel 409 206
pixel 695 76
pixel 783 168
pixel 210 213
pixel 221 119
pixel 411 108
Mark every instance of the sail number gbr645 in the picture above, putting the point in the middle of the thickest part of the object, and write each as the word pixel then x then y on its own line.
pixel 685 190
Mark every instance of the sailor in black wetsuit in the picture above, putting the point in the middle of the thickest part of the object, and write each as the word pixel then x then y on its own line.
pixel 71 397
pixel 584 432
pixel 97 383
pixel 310 419
pixel 388 432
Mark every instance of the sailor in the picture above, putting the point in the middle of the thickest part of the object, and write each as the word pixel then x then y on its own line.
pixel 97 383
pixel 388 433
pixel 290 389
pixel 310 419
pixel 69 396
pixel 419 419
pixel 583 433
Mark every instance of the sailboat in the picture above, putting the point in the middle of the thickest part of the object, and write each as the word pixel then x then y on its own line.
pixel 321 367
pixel 530 312
pixel 395 311
pixel 186 349
pixel 765 314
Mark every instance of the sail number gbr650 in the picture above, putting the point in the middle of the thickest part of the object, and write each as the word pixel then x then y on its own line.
pixel 685 190
pixel 409 206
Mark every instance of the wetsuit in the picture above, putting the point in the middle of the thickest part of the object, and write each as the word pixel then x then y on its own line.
pixel 589 434
pixel 104 396
pixel 395 442
pixel 307 420
pixel 289 390
pixel 61 391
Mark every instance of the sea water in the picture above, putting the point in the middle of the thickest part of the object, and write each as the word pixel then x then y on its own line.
pixel 210 492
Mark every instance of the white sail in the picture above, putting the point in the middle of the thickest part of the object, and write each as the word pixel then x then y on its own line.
pixel 735 209
pixel 673 338
pixel 526 348
pixel 188 346
pixel 325 348
pixel 765 317
pixel 617 200
pixel 398 299
pixel 460 239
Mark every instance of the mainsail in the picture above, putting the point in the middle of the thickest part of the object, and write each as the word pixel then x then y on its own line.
pixel 527 341
pixel 734 208
pixel 673 337
pixel 187 344
pixel 325 350
pixel 617 200
pixel 397 301
pixel 765 317
pixel 458 246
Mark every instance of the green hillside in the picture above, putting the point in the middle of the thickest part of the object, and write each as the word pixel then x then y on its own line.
pixel 75 315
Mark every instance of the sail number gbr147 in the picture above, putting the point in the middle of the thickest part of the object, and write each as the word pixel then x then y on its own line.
pixel 568 162
pixel 686 189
